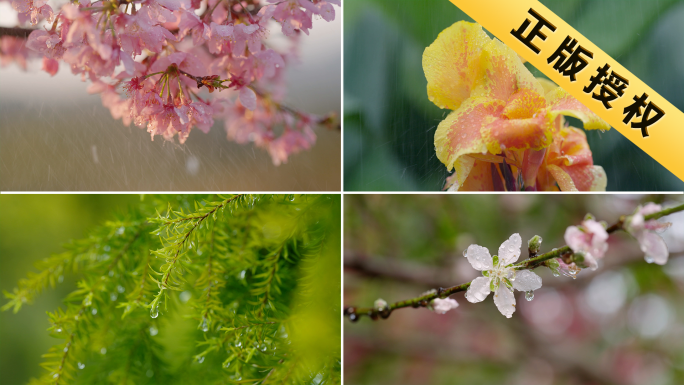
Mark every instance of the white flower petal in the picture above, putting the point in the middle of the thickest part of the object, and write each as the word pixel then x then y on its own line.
pixel 478 290
pixel 526 280
pixel 479 258
pixel 442 306
pixel 509 251
pixel 654 246
pixel 505 300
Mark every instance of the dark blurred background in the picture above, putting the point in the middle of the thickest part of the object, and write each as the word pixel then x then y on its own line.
pixel 390 123
pixel 54 136
pixel 33 227
pixel 622 324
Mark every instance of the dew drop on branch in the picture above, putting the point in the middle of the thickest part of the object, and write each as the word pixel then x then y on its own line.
pixel 103 351
pixel 81 366
pixel 154 312
pixel 205 327
pixel 200 359
pixel 153 331
pixel 529 295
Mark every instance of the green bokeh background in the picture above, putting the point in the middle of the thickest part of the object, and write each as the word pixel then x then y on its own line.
pixel 31 228
pixel 390 123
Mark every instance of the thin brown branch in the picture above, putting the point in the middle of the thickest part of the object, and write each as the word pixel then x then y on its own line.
pixel 16 31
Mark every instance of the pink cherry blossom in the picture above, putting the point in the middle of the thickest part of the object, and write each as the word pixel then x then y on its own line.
pixel 147 70
pixel 138 35
pixel 14 50
pixel 590 238
pixel 33 10
pixel 644 231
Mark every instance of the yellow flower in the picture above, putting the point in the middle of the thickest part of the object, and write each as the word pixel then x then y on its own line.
pixel 503 118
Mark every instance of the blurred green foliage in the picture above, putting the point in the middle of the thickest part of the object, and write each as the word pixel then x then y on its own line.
pixel 253 287
pixel 390 123
pixel 31 228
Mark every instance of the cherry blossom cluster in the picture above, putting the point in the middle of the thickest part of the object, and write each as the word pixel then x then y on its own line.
pixel 589 241
pixel 150 59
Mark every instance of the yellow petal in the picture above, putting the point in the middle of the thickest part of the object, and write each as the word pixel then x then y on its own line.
pixel 561 102
pixel 479 178
pixel 562 178
pixel 503 73
pixel 452 63
pixel 547 85
pixel 460 133
pixel 462 169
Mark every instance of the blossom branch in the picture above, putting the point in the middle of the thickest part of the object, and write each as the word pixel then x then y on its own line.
pixel 565 252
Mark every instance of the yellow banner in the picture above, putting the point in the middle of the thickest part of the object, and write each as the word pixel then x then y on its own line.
pixel 587 73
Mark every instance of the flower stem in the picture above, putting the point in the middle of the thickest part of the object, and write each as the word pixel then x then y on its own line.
pixel 424 300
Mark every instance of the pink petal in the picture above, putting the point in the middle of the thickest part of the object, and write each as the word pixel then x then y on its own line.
pixel 248 98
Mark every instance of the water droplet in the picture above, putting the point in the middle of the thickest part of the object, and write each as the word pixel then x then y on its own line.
pixel 153 331
pixel 107 248
pixel 94 311
pixel 60 279
pixel 87 301
pixel 66 349
pixel 277 65
pixel 227 364
pixel 465 253
pixel 291 197
pixel 154 312
pixel 205 327
pixel 185 296
pixel 120 289
pixel 120 230
pixel 529 295
pixel 149 374
pixel 55 375
pixel 648 258
pixel 200 359
pixel 555 274
pixel 59 330
pixel 103 351
pixel 81 366
pixel 113 296
pixel 242 274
